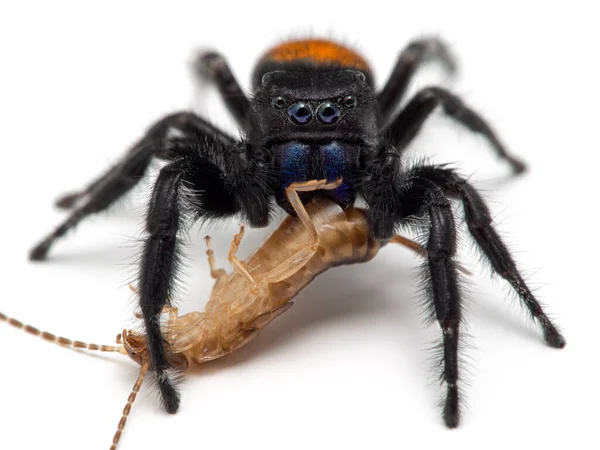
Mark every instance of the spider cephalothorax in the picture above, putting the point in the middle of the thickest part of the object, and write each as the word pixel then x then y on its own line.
pixel 314 114
pixel 314 125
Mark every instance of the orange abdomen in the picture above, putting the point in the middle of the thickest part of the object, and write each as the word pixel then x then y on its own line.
pixel 311 54
pixel 317 52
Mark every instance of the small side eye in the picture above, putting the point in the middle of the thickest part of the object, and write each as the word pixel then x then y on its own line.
pixel 278 102
pixel 350 101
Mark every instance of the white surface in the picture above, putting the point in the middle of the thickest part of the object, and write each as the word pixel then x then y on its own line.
pixel 346 367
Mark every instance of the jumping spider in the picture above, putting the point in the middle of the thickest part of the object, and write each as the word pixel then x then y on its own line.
pixel 314 113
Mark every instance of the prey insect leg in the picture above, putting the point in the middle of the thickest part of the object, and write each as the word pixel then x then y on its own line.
pixel 422 251
pixel 218 274
pixel 294 199
pixel 214 272
pixel 412 245
pixel 237 265
pixel 300 258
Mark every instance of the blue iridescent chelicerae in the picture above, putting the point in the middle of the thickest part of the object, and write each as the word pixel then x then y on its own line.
pixel 301 162
pixel 295 162
pixel 336 162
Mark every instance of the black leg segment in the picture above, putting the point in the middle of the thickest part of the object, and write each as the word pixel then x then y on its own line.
pixel 157 271
pixel 191 188
pixel 403 129
pixel 396 197
pixel 411 58
pixel 479 223
pixel 197 186
pixel 159 143
pixel 214 66
pixel 416 196
pixel 441 248
pixel 100 195
pixel 157 137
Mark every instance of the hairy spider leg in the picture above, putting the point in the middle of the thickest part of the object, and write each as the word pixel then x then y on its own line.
pixel 404 127
pixel 214 66
pixel 210 180
pixel 407 124
pixel 415 54
pixel 197 182
pixel 122 177
pixel 428 189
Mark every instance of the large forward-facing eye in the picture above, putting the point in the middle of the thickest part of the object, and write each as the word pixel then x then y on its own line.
pixel 300 113
pixel 328 113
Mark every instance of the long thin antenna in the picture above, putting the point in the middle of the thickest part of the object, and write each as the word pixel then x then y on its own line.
pixel 127 409
pixel 58 339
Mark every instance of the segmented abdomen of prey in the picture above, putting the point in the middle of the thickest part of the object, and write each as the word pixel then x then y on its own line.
pixel 236 313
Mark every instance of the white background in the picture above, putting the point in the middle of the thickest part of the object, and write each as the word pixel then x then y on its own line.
pixel 347 366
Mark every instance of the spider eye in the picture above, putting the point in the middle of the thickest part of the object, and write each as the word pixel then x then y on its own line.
pixel 350 101
pixel 300 113
pixel 278 102
pixel 328 113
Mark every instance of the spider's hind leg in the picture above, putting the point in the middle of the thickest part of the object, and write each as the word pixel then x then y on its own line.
pixel 100 195
pixel 422 198
pixel 480 224
pixel 407 124
pixel 238 265
pixel 214 66
pixel 155 144
pixel 395 198
pixel 118 180
pixel 411 58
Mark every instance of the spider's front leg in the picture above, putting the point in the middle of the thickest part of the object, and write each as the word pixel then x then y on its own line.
pixel 395 197
pixel 202 184
pixel 415 197
pixel 480 225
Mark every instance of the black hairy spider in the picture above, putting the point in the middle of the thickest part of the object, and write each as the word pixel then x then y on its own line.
pixel 314 113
